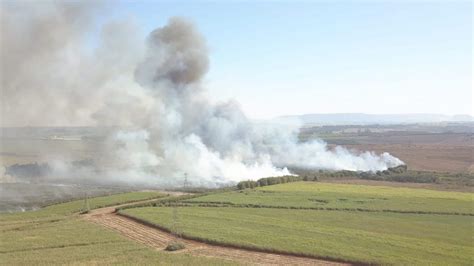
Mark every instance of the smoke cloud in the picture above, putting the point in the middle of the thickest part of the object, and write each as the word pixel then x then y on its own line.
pixel 153 90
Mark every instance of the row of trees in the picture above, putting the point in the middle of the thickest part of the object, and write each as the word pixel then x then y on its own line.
pixel 267 181
pixel 397 173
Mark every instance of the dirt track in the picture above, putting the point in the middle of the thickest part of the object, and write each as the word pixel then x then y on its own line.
pixel 159 240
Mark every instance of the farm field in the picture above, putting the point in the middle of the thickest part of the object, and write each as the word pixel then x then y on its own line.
pixel 73 241
pixel 54 236
pixel 440 157
pixel 442 147
pixel 341 196
pixel 340 233
pixel 431 186
pixel 68 208
pixel 423 151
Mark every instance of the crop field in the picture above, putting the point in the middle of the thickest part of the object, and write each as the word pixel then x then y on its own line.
pixel 344 196
pixel 73 241
pixel 54 236
pixel 280 218
pixel 67 208
pixel 284 218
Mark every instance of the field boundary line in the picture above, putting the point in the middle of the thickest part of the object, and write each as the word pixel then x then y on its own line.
pixel 257 206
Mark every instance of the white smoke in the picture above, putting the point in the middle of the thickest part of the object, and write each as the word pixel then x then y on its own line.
pixel 214 143
pixel 4 177
pixel 169 127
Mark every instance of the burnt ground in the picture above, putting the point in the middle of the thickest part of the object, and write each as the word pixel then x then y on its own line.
pixel 439 152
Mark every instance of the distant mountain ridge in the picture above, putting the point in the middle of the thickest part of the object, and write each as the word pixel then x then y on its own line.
pixel 363 119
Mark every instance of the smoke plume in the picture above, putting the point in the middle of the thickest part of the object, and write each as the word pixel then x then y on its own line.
pixel 153 90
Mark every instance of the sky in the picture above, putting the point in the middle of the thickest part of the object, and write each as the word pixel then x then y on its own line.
pixel 286 58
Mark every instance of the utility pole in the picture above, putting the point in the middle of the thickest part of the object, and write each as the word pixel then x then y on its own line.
pixel 185 185
pixel 86 207
pixel 176 244
pixel 175 219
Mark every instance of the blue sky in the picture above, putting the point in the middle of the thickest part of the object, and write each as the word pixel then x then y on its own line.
pixel 278 58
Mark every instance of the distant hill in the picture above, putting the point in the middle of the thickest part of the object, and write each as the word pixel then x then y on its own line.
pixel 364 119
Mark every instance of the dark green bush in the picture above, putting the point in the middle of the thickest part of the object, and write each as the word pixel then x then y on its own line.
pixel 175 246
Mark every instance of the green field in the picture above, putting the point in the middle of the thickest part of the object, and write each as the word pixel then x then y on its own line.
pixel 54 236
pixel 353 225
pixel 340 234
pixel 67 208
pixel 342 196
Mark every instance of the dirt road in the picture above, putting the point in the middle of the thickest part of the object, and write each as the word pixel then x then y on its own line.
pixel 158 239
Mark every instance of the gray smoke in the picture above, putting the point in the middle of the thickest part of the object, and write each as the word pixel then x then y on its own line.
pixel 154 92
pixel 176 53
pixel 49 75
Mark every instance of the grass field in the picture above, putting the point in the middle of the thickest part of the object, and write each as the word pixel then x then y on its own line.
pixel 54 236
pixel 345 196
pixel 63 209
pixel 73 241
pixel 373 237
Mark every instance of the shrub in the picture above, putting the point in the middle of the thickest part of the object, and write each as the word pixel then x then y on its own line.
pixel 175 246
